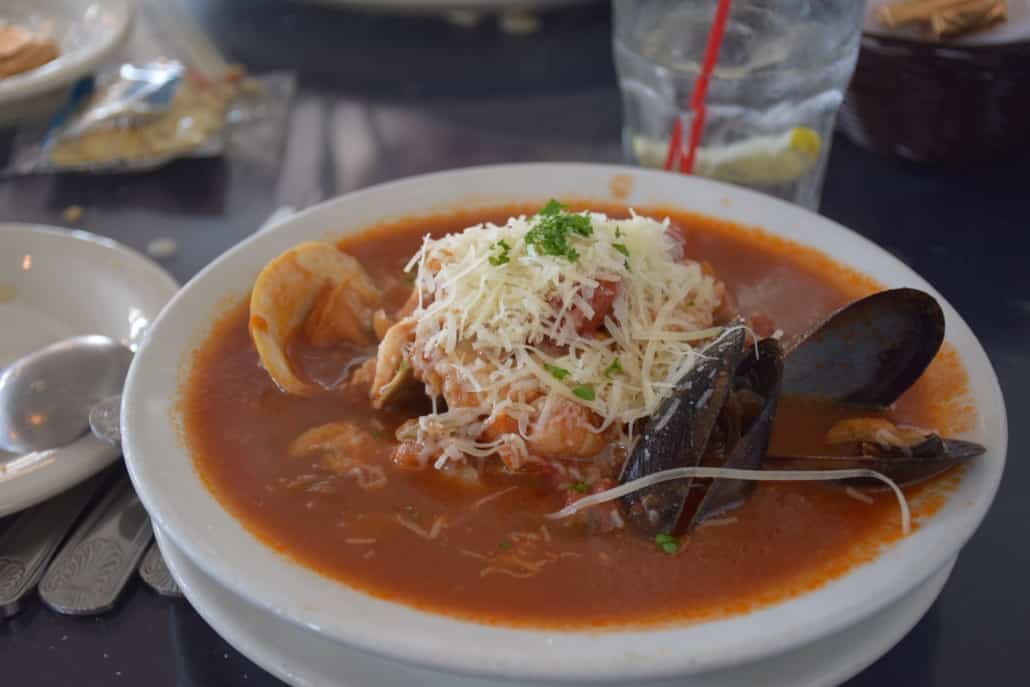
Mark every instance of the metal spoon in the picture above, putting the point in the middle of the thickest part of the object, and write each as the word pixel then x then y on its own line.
pixel 46 396
pixel 105 420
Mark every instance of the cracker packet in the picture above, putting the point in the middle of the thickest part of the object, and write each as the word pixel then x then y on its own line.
pixel 137 117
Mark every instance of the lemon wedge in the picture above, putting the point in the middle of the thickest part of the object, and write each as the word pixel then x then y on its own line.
pixel 759 161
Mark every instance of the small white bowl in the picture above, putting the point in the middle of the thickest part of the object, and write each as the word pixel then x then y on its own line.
pixel 86 33
pixel 163 471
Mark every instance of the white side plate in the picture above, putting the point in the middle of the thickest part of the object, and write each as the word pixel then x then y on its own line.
pixel 56 283
pixel 86 31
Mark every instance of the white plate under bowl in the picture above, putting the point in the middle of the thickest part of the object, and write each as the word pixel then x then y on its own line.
pixel 86 31
pixel 163 471
pixel 305 658
pixel 57 283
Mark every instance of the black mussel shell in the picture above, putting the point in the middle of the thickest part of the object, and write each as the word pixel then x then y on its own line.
pixel 927 459
pixel 869 352
pixel 760 373
pixel 677 433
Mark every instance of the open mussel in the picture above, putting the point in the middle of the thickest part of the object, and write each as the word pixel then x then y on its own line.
pixel 869 352
pixel 756 384
pixel 906 455
pixel 678 433
pixel 721 414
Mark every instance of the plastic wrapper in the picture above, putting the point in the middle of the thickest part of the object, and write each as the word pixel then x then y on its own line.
pixel 139 117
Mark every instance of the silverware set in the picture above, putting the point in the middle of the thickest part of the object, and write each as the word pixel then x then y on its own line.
pixel 47 399
pixel 80 549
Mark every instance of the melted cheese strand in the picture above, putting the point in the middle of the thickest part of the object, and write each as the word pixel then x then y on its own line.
pixel 734 473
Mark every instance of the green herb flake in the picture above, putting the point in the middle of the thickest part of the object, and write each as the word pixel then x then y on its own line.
pixel 626 263
pixel 409 277
pixel 580 487
pixel 667 543
pixel 612 369
pixel 556 372
pixel 502 257
pixel 618 232
pixel 584 391
pixel 504 545
pixel 553 207
pixel 552 229
pixel 621 247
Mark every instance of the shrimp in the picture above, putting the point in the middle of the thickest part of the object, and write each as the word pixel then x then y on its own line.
pixel 340 445
pixel 564 429
pixel 392 371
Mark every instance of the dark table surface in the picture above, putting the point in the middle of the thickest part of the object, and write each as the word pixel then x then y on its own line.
pixel 383 97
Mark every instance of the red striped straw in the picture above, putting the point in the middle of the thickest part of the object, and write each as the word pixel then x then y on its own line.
pixel 697 96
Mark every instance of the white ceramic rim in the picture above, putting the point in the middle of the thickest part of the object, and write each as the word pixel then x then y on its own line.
pixel 307 661
pixel 165 479
pixel 33 478
pixel 71 65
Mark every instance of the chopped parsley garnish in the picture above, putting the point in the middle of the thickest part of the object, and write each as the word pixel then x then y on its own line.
pixel 614 368
pixel 618 232
pixel 553 207
pixel 504 545
pixel 409 277
pixel 626 263
pixel 553 227
pixel 556 372
pixel 501 258
pixel 621 247
pixel 667 543
pixel 584 391
pixel 580 487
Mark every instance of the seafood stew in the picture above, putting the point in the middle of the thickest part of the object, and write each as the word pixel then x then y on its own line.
pixel 413 433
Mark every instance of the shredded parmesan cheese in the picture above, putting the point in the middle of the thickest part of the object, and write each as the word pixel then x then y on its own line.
pixel 432 533
pixel 719 522
pixel 497 327
pixel 490 497
pixel 504 571
pixel 858 496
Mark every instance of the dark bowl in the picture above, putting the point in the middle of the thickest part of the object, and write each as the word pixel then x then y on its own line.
pixel 939 102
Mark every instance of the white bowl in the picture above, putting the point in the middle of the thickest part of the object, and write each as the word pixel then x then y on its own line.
pixel 86 33
pixel 163 472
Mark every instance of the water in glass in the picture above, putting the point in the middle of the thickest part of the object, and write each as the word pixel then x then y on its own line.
pixel 780 77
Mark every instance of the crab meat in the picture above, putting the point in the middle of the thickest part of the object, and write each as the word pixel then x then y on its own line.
pixel 876 430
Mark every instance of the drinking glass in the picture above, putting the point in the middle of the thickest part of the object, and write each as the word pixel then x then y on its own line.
pixel 780 76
